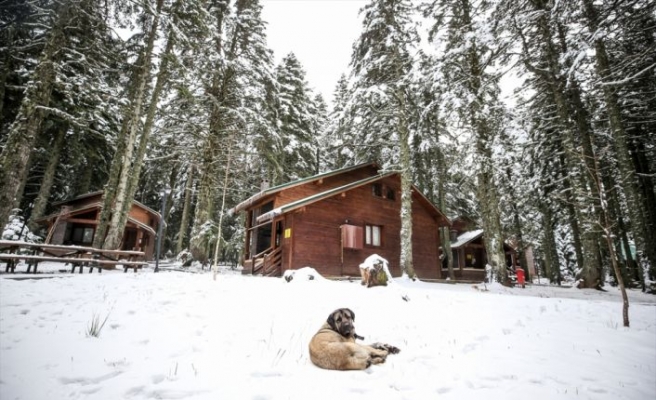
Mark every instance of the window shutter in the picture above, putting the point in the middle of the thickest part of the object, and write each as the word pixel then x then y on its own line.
pixel 352 237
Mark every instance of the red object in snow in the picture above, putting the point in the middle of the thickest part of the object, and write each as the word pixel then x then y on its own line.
pixel 520 277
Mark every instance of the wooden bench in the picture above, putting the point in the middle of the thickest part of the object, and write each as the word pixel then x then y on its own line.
pixel 33 261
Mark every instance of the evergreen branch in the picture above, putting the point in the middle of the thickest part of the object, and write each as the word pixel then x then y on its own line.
pixel 627 80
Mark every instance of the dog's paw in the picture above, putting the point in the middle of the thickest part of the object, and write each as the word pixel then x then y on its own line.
pixel 386 347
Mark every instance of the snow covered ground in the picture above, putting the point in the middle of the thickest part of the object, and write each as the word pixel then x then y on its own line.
pixel 176 335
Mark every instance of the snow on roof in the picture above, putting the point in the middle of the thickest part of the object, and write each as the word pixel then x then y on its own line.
pixel 466 238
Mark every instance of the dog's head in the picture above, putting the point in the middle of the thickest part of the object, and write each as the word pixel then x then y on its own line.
pixel 341 321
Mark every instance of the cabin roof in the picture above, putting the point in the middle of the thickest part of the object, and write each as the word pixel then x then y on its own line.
pixel 466 238
pixel 90 206
pixel 275 189
pixel 335 191
pixel 317 197
pixel 99 193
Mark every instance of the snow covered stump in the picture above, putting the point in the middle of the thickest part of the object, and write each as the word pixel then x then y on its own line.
pixel 375 271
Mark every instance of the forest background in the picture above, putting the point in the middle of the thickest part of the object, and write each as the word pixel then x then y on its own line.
pixel 182 98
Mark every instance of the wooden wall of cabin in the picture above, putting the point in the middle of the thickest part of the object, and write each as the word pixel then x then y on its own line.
pixel 143 216
pixel 316 234
pixel 425 243
pixel 308 189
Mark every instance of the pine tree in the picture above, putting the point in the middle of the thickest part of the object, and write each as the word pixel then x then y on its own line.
pixel 109 233
pixel 473 94
pixel 71 85
pixel 382 62
pixel 23 132
pixel 240 65
pixel 296 113
pixel 643 238
pixel 339 127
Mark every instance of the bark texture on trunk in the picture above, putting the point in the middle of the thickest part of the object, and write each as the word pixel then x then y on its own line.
pixel 121 203
pixel 41 200
pixel 22 135
pixel 184 223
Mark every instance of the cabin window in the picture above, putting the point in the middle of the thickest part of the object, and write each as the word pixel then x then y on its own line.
pixel 373 235
pixel 87 236
pixel 383 191
pixel 377 189
pixel 80 235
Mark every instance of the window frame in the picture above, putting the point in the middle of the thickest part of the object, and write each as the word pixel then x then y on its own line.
pixel 382 191
pixel 370 236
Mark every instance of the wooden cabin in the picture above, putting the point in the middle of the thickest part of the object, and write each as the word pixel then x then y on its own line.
pixel 333 221
pixel 76 221
pixel 469 253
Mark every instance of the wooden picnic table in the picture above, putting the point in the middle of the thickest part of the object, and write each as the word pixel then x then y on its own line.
pixel 11 252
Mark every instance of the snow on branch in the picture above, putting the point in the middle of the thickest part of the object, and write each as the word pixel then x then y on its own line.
pixel 630 78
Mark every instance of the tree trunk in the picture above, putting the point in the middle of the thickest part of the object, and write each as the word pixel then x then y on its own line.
pixel 484 131
pixel 22 134
pixel 125 197
pixel 219 235
pixel 489 200
pixel 634 272
pixel 41 200
pixel 445 233
pixel 608 233
pixel 109 192
pixel 7 37
pixel 552 266
pixel 121 202
pixel 406 260
pixel 184 223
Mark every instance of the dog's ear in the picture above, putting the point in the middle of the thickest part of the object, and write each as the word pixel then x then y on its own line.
pixel 331 321
pixel 352 313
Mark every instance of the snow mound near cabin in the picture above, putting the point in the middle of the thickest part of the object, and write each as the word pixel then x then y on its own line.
pixel 302 274
pixel 373 260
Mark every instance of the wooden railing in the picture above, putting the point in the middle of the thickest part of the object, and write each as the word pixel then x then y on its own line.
pixel 268 262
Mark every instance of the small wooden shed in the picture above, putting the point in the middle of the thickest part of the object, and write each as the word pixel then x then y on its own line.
pixel 334 221
pixel 469 252
pixel 76 221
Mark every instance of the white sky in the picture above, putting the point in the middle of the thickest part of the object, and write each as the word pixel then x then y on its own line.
pixel 319 32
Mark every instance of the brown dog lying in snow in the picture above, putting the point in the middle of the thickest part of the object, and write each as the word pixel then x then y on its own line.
pixel 334 347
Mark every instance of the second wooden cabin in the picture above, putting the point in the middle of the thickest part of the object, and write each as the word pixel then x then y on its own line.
pixel 77 219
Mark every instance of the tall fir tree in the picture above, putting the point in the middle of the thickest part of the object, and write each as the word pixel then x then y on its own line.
pixel 382 63
pixel 297 116
pixel 465 29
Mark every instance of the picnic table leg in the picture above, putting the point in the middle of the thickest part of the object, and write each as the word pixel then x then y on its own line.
pixel 30 264
pixel 73 269
pixel 95 264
